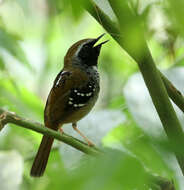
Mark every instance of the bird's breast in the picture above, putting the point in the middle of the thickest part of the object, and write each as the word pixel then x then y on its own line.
pixel 82 98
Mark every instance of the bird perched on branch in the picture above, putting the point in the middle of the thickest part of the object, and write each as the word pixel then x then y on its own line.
pixel 74 93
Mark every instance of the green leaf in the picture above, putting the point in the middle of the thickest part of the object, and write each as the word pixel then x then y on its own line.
pixel 32 101
pixel 75 8
pixel 135 141
pixel 20 100
pixel 10 43
pixel 113 170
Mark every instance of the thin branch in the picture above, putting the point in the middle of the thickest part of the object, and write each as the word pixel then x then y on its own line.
pixel 12 118
pixel 9 117
pixel 173 93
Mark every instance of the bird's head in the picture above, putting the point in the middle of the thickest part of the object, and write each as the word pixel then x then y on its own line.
pixel 84 52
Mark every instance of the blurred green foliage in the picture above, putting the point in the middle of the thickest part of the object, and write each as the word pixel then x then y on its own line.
pixel 34 37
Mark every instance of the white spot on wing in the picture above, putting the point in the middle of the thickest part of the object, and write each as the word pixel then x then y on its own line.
pixel 60 77
pixel 95 68
pixel 58 80
pixel 80 105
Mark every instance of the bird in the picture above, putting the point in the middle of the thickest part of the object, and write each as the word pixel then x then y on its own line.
pixel 72 96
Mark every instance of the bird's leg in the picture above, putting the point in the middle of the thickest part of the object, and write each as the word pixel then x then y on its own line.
pixel 74 125
pixel 61 131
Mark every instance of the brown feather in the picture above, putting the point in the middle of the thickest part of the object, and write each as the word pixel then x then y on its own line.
pixel 42 156
pixel 71 51
pixel 55 113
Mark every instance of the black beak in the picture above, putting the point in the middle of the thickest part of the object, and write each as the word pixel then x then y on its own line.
pixel 96 40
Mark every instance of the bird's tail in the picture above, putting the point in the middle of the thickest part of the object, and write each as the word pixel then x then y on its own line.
pixel 42 156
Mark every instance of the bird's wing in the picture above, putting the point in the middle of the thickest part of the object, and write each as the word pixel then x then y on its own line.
pixel 59 95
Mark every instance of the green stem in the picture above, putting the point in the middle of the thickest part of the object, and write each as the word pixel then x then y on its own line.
pixel 149 71
pixel 173 93
pixel 9 117
pixel 104 20
pixel 114 31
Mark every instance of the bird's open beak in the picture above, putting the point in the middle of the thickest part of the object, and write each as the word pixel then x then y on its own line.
pixel 96 40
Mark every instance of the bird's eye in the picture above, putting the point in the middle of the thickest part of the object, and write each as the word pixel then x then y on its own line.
pixel 85 51
pixel 85 46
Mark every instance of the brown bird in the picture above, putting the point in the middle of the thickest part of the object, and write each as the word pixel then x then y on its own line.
pixel 74 93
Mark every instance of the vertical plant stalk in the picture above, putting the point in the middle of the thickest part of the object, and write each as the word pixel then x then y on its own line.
pixel 113 29
pixel 149 71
